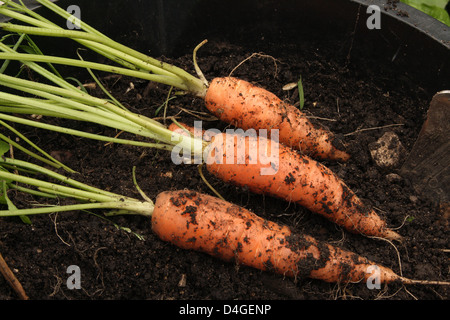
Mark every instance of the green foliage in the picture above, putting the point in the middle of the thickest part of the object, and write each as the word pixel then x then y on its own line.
pixel 4 148
pixel 434 8
pixel 4 199
pixel 301 94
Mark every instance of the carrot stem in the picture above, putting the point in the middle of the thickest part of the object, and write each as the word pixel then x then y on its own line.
pixel 46 158
pixel 97 198
pixel 100 43
pixel 70 104
pixel 142 208
pixel 57 189
pixel 164 79
pixel 98 40
pixel 42 71
pixel 79 133
pixel 54 175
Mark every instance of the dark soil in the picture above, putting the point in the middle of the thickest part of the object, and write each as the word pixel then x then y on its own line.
pixel 344 94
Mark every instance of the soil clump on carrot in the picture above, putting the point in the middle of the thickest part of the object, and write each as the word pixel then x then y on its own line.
pixel 117 264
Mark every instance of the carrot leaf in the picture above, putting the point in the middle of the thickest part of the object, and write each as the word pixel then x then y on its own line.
pixel 301 93
pixel 4 148
pixel 5 200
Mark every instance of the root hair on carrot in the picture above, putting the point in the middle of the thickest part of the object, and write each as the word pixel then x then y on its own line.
pixel 382 294
pixel 396 250
pixel 373 128
pixel 205 116
pixel 202 176
pixel 340 292
pixel 259 55
pixel 56 228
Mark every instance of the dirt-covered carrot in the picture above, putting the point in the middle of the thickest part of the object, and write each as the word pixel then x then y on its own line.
pixel 232 100
pixel 247 106
pixel 200 222
pixel 291 181
pixel 286 173
pixel 191 220
pixel 267 167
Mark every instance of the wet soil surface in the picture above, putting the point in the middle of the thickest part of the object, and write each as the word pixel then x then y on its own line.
pixel 120 258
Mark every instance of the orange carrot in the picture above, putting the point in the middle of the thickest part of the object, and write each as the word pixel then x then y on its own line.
pixel 279 171
pixel 247 106
pixel 191 220
pixel 232 100
pixel 294 177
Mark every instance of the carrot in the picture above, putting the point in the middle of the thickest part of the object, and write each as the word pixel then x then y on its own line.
pixel 267 167
pixel 325 195
pixel 201 222
pixel 246 106
pixel 296 178
pixel 195 221
pixel 232 100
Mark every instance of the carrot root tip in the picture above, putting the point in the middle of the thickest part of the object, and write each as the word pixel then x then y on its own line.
pixel 393 236
pixel 424 282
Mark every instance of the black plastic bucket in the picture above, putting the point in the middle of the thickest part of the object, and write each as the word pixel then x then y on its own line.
pixel 173 27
